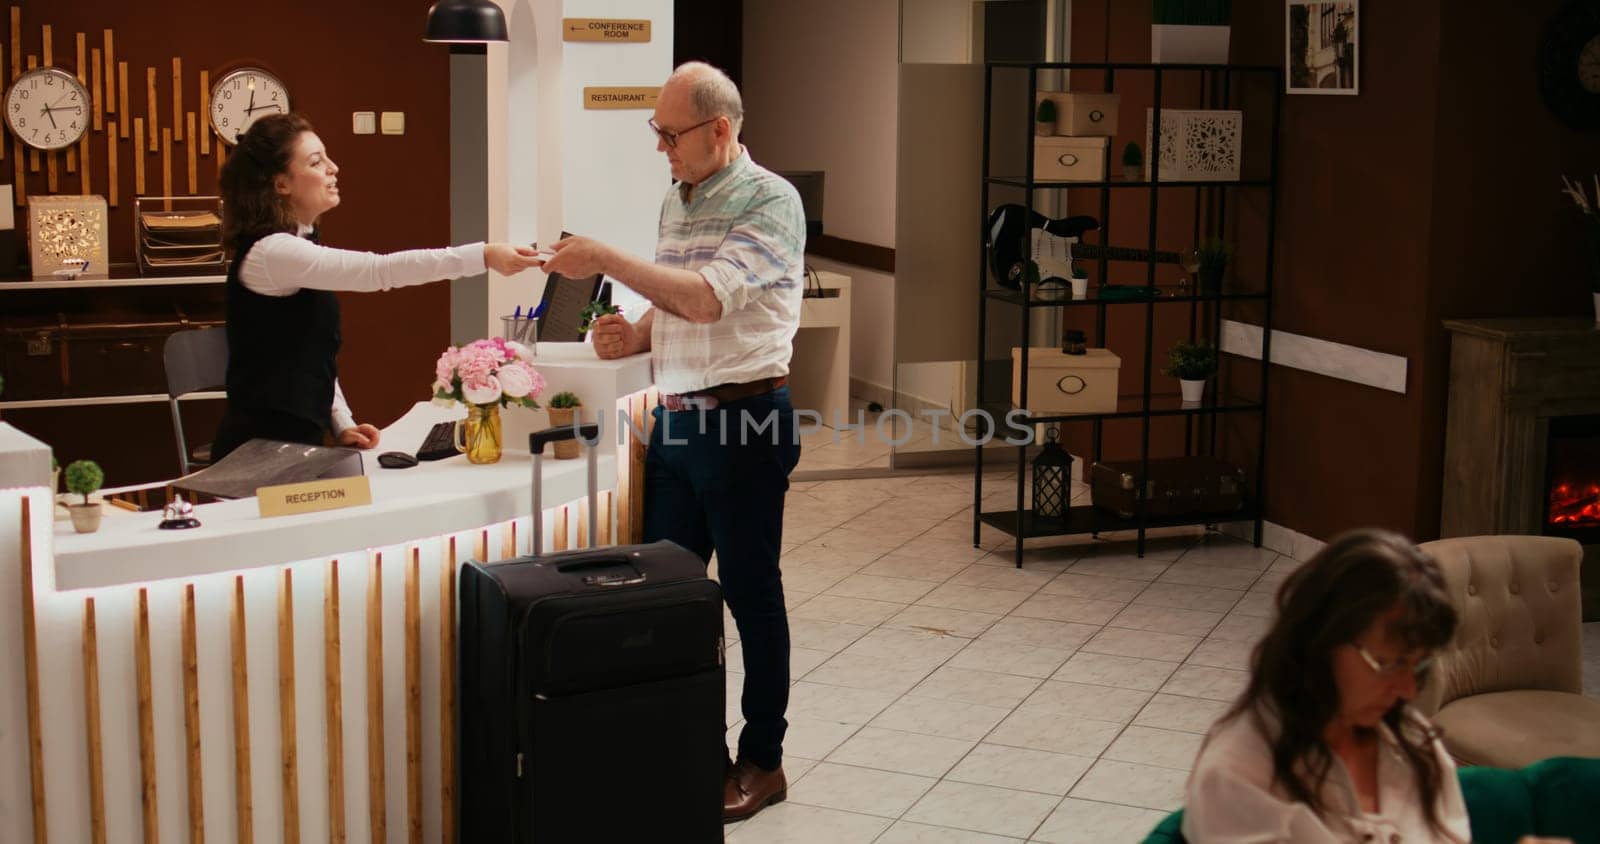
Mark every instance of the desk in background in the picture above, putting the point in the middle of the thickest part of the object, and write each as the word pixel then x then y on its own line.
pixel 819 372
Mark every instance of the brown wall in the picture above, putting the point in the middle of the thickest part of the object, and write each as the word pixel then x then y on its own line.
pixel 335 58
pixel 1431 194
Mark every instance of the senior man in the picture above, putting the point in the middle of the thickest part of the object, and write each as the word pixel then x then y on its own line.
pixel 726 288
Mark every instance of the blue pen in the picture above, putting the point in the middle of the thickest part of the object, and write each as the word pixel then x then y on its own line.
pixel 518 314
pixel 539 311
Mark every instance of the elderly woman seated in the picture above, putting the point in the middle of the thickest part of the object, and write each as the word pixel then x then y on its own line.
pixel 1322 746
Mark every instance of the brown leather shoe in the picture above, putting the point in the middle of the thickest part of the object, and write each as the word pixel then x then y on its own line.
pixel 749 789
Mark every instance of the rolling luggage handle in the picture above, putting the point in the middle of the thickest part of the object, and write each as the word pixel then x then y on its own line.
pixel 589 435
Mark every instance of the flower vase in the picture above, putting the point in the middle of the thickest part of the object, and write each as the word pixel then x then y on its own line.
pixel 563 417
pixel 478 436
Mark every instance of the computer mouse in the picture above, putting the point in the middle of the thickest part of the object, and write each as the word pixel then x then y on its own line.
pixel 396 460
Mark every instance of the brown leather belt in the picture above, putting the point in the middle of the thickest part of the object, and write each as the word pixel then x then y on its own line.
pixel 709 398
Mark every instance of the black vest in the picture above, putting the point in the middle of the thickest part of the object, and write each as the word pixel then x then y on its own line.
pixel 282 350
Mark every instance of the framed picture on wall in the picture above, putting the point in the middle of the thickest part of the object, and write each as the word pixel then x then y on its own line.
pixel 1322 47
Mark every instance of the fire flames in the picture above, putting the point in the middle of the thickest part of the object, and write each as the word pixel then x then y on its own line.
pixel 1575 505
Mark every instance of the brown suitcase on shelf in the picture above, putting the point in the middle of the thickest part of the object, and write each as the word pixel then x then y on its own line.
pixel 1177 486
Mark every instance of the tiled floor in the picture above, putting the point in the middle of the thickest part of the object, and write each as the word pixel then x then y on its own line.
pixel 827 449
pixel 941 695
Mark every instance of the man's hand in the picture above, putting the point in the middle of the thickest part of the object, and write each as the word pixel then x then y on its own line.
pixel 507 259
pixel 615 337
pixel 361 436
pixel 577 257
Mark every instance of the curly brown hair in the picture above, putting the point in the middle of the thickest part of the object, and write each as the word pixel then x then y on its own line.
pixel 251 204
pixel 1323 605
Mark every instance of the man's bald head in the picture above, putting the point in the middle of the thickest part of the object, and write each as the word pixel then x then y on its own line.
pixel 710 93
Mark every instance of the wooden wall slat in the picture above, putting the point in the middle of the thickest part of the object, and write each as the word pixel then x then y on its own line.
pixel 122 95
pixel 290 751
pixel 191 717
pixel 192 151
pixel 447 692
pixel 110 52
pixel 243 811
pixel 413 621
pixel 177 99
pixel 205 112
pixel 97 88
pixel 138 156
pixel 91 711
pixel 333 692
pixel 30 646
pixel 152 117
pixel 147 724
pixel 111 163
pixel 377 818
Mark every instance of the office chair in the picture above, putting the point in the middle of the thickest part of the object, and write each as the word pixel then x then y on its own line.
pixel 194 361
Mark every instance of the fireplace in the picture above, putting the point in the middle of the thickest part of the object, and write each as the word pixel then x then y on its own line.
pixel 1572 479
pixel 1522 436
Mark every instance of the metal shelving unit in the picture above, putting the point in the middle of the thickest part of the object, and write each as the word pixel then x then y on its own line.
pixel 1217 88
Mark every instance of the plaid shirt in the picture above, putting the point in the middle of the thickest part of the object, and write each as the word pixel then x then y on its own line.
pixel 743 230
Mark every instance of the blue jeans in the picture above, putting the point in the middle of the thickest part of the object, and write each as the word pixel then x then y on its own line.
pixel 708 488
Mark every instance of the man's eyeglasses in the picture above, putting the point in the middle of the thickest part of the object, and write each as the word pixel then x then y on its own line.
pixel 670 138
pixel 1387 670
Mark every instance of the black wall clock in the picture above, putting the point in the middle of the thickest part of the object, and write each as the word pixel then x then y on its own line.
pixel 1569 64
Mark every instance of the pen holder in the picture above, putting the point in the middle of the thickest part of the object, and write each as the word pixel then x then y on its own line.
pixel 524 330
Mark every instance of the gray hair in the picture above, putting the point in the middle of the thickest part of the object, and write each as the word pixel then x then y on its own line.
pixel 711 93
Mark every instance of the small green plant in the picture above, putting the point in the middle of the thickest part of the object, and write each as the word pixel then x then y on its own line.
pixel 1079 272
pixel 1191 361
pixel 84 477
pixel 1046 112
pixel 594 311
pixel 1214 254
pixel 565 399
pixel 1193 12
pixel 1132 156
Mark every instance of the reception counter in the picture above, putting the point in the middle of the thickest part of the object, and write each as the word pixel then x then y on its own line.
pixel 285 679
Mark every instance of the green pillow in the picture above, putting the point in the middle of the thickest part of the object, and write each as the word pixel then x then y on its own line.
pixel 1499 804
pixel 1565 790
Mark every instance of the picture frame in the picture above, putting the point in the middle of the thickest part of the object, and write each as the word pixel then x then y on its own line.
pixel 1322 47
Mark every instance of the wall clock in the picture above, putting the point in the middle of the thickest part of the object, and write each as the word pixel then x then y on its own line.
pixel 239 98
pixel 1569 64
pixel 47 108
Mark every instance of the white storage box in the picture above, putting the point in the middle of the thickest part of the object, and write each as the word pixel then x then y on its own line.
pixel 1062 159
pixel 1063 383
pixel 1080 114
pixel 1196 145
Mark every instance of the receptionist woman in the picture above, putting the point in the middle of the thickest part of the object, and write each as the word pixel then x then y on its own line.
pixel 282 304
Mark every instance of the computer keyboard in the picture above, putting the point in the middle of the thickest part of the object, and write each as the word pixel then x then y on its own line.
pixel 440 442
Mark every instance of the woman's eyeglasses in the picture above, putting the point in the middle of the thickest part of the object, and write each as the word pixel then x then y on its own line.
pixel 1394 667
pixel 670 138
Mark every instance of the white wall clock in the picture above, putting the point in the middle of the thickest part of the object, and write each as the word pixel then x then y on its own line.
pixel 243 96
pixel 47 108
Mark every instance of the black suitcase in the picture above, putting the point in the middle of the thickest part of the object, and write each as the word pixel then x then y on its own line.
pixel 591 692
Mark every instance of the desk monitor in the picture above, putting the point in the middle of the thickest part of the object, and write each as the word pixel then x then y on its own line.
pixel 563 303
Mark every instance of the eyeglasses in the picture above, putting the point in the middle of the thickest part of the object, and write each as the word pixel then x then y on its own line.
pixel 670 138
pixel 1387 670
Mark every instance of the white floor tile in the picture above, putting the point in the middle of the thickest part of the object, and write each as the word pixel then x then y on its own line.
pixel 983 808
pixel 864 672
pixel 997 577
pixel 812 738
pixel 1132 784
pixel 1066 608
pixel 1209 576
pixel 1153 746
pixel 906 832
pixel 863 790
pixel 830 636
pixel 846 610
pixel 1008 658
pixel 958 597
pixel 1044 730
pixel 906 753
pixel 1141 644
pixel 970 686
pixel 919 649
pixel 915 568
pixel 1174 712
pixel 1120 671
pixel 1221 653
pixel 795 823
pixel 1079 700
pixel 1229 554
pixel 934 717
pixel 1097 587
pixel 1166 620
pixel 1209 683
pixel 1237 627
pixel 1020 768
pixel 1259 604
pixel 894 589
pixel 1040 632
pixel 1189 597
pixel 836 703
pixel 1126 567
pixel 1089 822
pixel 943 621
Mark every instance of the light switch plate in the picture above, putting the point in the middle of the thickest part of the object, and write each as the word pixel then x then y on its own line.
pixel 393 123
pixel 364 123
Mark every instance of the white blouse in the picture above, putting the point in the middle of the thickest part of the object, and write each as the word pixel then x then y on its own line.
pixel 1231 797
pixel 283 264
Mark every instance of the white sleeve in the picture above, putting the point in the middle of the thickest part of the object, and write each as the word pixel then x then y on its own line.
pixel 340 417
pixel 1223 807
pixel 283 264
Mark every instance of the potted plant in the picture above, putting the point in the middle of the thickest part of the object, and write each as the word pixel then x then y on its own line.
pixel 1190 31
pixel 1080 283
pixel 1044 120
pixel 84 477
pixel 565 409
pixel 1132 162
pixel 1192 364
pixel 1591 227
pixel 1212 261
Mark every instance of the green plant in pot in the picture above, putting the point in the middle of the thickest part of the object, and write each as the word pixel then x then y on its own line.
pixel 1213 256
pixel 1132 162
pixel 1044 118
pixel 566 409
pixel 1080 282
pixel 85 478
pixel 1192 364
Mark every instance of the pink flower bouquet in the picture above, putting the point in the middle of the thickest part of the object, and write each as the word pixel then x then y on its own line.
pixel 486 372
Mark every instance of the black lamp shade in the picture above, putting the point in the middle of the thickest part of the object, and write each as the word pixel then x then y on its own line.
pixel 1051 481
pixel 465 22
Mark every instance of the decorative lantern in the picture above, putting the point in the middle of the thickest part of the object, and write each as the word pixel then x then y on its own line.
pixel 1050 480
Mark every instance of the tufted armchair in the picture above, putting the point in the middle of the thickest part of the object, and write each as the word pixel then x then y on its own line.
pixel 1508 690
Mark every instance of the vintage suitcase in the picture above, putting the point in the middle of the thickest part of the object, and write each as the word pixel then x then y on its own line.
pixel 591 693
pixel 82 351
pixel 1177 486
pixel 30 357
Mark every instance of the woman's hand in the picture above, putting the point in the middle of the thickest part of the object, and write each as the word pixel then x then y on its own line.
pixel 576 257
pixel 614 337
pixel 509 259
pixel 361 436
